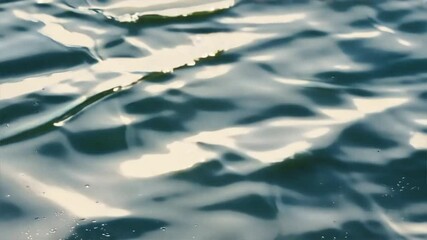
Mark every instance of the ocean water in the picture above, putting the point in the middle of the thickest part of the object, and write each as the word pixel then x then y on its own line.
pixel 213 119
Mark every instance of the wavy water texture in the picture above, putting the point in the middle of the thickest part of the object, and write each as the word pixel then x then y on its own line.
pixel 213 119
pixel 133 10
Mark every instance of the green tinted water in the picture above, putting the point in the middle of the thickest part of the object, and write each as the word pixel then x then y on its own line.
pixel 213 119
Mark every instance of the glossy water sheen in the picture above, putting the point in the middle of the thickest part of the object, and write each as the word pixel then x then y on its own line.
pixel 218 119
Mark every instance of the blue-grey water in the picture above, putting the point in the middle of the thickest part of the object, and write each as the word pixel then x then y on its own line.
pixel 213 119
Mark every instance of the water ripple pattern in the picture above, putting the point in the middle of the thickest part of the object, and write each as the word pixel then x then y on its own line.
pixel 216 119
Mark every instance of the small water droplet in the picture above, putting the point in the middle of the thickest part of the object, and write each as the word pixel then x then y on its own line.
pixel 8 195
pixel 163 229
pixel 87 186
pixel 93 221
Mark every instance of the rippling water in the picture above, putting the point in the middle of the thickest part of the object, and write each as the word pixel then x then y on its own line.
pixel 213 119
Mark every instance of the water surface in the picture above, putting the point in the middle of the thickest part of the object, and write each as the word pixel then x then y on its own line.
pixel 218 119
